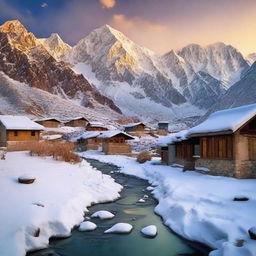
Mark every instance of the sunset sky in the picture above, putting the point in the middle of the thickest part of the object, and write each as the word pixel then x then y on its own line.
pixel 160 25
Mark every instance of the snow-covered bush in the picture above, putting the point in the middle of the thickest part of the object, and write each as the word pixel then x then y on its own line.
pixel 143 157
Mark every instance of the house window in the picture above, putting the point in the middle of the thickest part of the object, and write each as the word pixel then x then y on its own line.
pixel 15 133
pixel 33 133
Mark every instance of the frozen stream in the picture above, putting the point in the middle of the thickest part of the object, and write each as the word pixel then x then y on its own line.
pixel 126 209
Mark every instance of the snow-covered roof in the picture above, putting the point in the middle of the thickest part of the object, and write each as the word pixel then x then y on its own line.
pixel 89 135
pixel 113 133
pixel 46 119
pixel 96 124
pixel 133 124
pixel 225 121
pixel 172 138
pixel 75 118
pixel 19 123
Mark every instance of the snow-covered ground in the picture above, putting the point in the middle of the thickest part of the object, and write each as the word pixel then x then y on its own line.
pixel 198 207
pixel 32 213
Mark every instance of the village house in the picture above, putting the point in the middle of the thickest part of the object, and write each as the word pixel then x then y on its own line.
pixel 18 132
pixel 49 122
pixel 77 122
pixel 114 142
pixel 163 127
pixel 225 144
pixel 96 126
pixel 88 141
pixel 136 129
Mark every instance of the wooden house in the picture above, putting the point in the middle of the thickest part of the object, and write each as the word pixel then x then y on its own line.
pixel 96 126
pixel 227 142
pixel 49 122
pixel 18 132
pixel 88 141
pixel 136 129
pixel 77 122
pixel 115 142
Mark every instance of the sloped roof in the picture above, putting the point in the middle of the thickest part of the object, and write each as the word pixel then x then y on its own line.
pixel 19 123
pixel 113 133
pixel 96 124
pixel 133 124
pixel 224 121
pixel 90 135
pixel 46 119
pixel 172 138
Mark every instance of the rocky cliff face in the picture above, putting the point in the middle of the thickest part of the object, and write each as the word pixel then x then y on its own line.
pixel 241 93
pixel 25 59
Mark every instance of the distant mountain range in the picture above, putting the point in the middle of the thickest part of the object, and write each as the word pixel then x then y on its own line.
pixel 106 70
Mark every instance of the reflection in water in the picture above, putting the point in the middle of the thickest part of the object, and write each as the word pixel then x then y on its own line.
pixel 96 243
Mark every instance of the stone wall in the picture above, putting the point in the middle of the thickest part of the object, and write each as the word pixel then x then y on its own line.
pixel 218 166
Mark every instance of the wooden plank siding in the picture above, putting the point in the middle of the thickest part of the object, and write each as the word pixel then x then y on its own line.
pixel 252 148
pixel 184 150
pixel 220 147
pixel 23 135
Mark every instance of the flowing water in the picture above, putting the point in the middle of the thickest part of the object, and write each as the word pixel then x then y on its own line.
pixel 126 209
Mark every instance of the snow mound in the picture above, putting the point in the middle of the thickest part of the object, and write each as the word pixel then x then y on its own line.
pixel 103 215
pixel 149 231
pixel 149 188
pixel 87 226
pixel 141 200
pixel 120 228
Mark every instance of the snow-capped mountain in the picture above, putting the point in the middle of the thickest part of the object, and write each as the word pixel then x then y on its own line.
pixel 251 58
pixel 241 93
pixel 177 84
pixel 18 98
pixel 55 46
pixel 24 58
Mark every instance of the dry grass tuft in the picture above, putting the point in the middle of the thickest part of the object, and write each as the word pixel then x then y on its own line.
pixel 62 151
pixel 143 157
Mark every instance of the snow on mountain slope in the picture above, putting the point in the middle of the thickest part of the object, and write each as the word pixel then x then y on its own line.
pixel 251 58
pixel 25 59
pixel 55 46
pixel 241 93
pixel 20 99
pixel 221 61
pixel 140 82
pixel 133 101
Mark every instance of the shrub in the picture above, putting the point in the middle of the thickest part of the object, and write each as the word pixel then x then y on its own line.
pixel 62 151
pixel 143 157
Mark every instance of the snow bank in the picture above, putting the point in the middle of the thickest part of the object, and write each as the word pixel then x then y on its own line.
pixel 52 205
pixel 87 226
pixel 149 231
pixel 103 215
pixel 120 228
pixel 197 206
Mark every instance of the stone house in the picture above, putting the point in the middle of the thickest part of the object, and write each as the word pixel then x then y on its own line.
pixel 225 143
pixel 115 142
pixel 18 132
pixel 77 122
pixel 96 126
pixel 49 122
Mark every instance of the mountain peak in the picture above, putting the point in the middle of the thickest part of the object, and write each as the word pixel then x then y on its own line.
pixel 13 26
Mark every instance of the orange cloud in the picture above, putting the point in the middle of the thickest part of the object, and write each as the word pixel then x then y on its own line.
pixel 143 32
pixel 108 3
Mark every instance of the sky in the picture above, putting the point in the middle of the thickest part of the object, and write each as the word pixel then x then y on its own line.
pixel 160 25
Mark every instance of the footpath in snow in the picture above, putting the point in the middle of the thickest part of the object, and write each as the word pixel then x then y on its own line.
pixel 198 207
pixel 51 206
